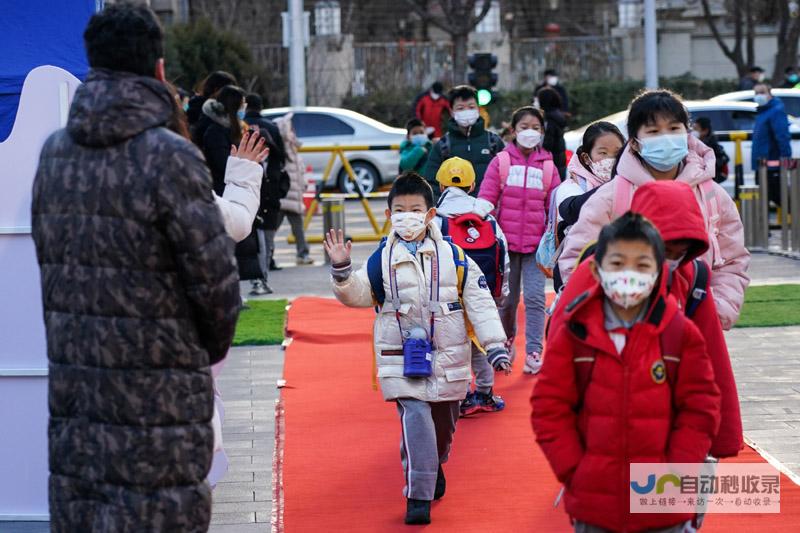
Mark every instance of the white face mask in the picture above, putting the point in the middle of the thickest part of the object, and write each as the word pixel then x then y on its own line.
pixel 529 138
pixel 409 225
pixel 552 80
pixel 675 263
pixel 466 117
pixel 435 96
pixel 627 288
pixel 602 169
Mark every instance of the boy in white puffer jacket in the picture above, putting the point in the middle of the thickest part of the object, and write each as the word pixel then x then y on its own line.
pixel 427 292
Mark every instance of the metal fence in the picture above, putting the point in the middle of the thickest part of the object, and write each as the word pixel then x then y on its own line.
pixel 575 58
pixel 400 65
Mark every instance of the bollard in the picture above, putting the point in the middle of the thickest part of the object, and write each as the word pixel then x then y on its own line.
pixel 794 208
pixel 332 217
pixel 762 210
pixel 738 161
pixel 785 209
pixel 748 195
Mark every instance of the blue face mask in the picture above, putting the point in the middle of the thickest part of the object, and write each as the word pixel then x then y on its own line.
pixel 419 139
pixel 793 78
pixel 761 99
pixel 186 107
pixel 240 114
pixel 664 152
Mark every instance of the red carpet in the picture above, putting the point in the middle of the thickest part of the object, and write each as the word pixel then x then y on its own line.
pixel 341 459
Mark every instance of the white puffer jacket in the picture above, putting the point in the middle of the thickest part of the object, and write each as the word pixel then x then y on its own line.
pixel 451 358
pixel 241 197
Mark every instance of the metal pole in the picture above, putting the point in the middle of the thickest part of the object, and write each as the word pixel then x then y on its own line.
pixel 762 235
pixel 749 198
pixel 794 209
pixel 784 204
pixel 650 45
pixel 332 217
pixel 297 55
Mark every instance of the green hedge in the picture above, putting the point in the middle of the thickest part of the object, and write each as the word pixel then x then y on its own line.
pixel 589 100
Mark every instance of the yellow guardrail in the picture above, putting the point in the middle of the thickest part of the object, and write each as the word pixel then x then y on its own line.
pixel 338 151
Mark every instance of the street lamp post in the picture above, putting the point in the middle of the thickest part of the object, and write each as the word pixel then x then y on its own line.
pixel 650 45
pixel 297 55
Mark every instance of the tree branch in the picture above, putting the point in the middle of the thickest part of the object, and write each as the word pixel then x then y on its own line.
pixel 424 12
pixel 715 32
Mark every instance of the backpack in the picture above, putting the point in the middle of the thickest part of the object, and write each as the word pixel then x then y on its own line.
pixel 496 144
pixel 477 237
pixel 549 248
pixel 671 341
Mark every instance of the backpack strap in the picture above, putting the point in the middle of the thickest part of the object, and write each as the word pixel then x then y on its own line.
pixel 504 166
pixel 444 146
pixel 623 196
pixel 671 340
pixel 375 275
pixel 547 174
pixel 445 225
pixel 697 291
pixel 462 266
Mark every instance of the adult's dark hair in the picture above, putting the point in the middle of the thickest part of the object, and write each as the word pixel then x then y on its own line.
pixel 125 38
pixel 650 105
pixel 522 112
pixel 551 72
pixel 177 121
pixel 630 227
pixel 231 97
pixel 756 68
pixel 216 81
pixel 549 99
pixel 705 123
pixel 590 136
pixel 789 69
pixel 411 183
pixel 254 102
pixel 462 92
pixel 414 123
pixel 437 87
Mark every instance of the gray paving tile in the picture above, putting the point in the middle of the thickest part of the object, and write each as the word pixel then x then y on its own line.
pixel 232 518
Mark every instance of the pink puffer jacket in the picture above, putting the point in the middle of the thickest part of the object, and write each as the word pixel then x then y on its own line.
pixel 522 198
pixel 727 254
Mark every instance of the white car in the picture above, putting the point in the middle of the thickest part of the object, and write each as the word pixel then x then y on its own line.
pixel 725 117
pixel 328 126
pixel 789 97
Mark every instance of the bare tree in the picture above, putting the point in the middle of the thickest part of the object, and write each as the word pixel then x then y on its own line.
pixel 458 18
pixel 742 15
pixel 788 35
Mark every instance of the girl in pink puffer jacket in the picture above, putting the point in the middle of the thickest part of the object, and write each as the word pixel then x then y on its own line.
pixel 660 148
pixel 519 182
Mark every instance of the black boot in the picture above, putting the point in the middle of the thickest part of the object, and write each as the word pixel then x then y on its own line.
pixel 418 511
pixel 441 484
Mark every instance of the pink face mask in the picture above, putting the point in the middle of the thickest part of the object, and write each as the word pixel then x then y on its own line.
pixel 602 169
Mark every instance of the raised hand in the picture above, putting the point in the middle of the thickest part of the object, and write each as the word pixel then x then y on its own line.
pixel 252 147
pixel 336 248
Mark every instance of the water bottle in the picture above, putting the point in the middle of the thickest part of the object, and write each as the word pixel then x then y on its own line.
pixel 417 354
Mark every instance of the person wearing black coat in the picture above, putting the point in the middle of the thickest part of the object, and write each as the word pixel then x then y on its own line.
pixel 274 187
pixel 555 123
pixel 551 80
pixel 199 121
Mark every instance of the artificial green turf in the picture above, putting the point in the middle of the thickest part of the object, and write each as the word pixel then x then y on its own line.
pixel 262 324
pixel 771 306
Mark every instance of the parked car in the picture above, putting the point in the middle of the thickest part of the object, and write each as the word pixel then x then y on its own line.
pixel 327 126
pixel 789 97
pixel 725 117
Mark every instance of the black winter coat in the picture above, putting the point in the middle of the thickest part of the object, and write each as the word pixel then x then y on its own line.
pixel 140 296
pixel 269 213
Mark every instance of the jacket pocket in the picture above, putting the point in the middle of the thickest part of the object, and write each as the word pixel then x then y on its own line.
pixel 391 371
pixel 457 374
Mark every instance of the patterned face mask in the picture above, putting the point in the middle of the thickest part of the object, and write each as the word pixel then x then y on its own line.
pixel 602 169
pixel 627 288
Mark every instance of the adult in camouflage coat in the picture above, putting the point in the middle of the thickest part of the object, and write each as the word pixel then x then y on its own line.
pixel 140 295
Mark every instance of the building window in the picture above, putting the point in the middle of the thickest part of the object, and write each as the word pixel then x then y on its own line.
pixel 327 18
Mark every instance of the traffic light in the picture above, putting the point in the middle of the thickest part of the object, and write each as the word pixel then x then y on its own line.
pixel 482 76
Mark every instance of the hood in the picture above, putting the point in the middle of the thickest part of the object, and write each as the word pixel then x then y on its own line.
pixel 455 202
pixel 284 124
pixel 540 154
pixel 698 167
pixel 476 130
pixel 656 201
pixel 216 112
pixel 111 107
pixel 576 170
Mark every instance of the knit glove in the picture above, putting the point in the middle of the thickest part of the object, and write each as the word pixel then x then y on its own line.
pixel 499 359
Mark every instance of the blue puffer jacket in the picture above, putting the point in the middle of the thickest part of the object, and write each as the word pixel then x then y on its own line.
pixel 771 139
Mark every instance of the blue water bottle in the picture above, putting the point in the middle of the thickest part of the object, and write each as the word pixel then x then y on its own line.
pixel 417 354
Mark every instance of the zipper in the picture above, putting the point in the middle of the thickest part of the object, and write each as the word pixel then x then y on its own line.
pixel 625 393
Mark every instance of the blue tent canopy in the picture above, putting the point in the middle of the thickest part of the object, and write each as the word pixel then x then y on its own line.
pixel 35 33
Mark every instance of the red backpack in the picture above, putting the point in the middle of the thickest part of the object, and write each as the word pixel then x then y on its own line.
pixel 478 238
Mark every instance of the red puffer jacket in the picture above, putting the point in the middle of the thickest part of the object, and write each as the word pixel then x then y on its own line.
pixel 626 416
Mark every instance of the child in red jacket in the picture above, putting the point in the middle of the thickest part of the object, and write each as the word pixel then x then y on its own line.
pixel 606 397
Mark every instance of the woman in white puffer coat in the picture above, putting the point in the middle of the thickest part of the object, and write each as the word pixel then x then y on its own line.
pixel 292 206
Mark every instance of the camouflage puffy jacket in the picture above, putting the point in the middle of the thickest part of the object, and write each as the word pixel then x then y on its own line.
pixel 140 295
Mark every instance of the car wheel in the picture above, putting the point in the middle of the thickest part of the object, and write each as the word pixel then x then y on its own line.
pixel 365 173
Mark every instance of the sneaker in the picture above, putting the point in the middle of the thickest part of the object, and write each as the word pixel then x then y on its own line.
pixel 441 484
pixel 470 404
pixel 260 288
pixel 489 402
pixel 418 511
pixel 303 261
pixel 533 363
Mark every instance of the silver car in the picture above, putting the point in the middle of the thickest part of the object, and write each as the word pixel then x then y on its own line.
pixel 330 126
pixel 725 117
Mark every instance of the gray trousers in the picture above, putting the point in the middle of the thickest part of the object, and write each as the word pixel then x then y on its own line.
pixel 266 247
pixel 296 222
pixel 525 275
pixel 427 433
pixel 484 373
pixel 583 527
